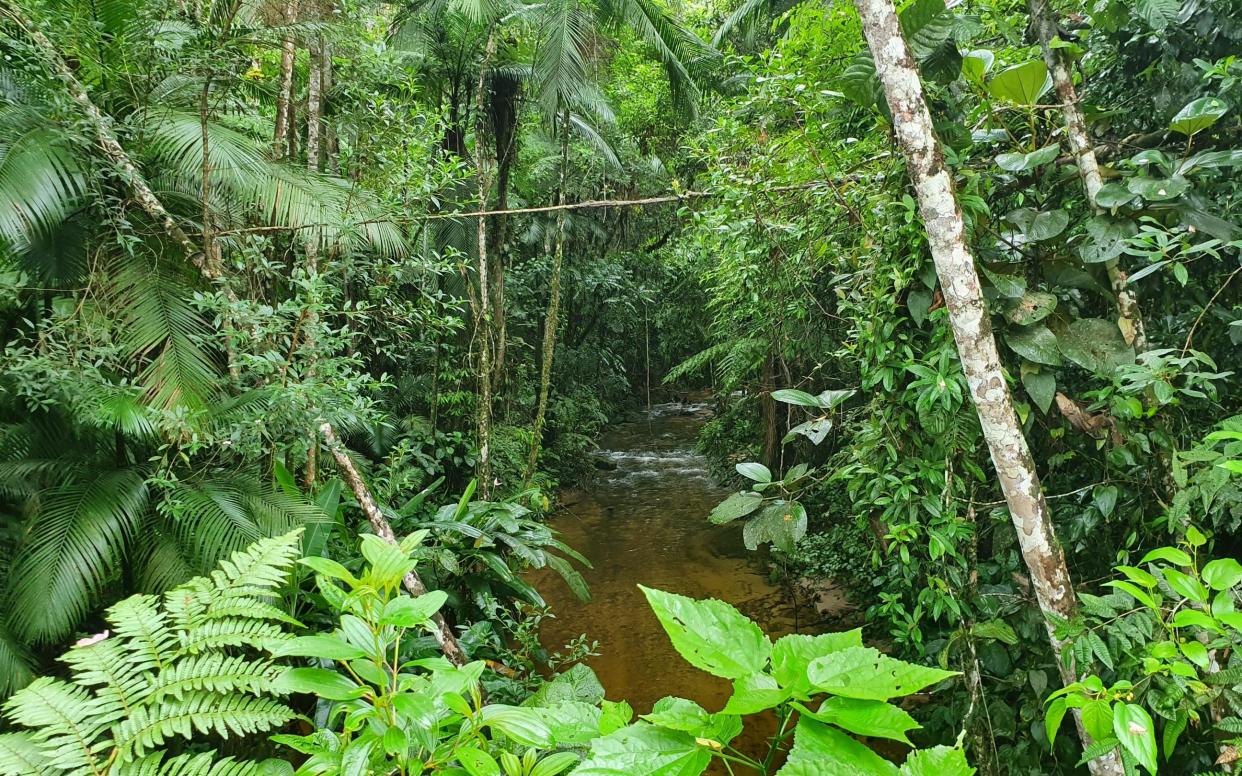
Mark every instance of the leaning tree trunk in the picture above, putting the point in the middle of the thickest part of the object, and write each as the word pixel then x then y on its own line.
pixel 552 319
pixel 483 322
pixel 126 172
pixel 314 144
pixel 284 91
pixel 413 584
pixel 1129 318
pixel 972 329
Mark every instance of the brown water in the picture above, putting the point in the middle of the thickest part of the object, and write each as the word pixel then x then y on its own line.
pixel 646 522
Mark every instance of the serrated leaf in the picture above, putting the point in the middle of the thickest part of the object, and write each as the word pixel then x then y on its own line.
pixel 781 523
pixel 864 718
pixel 1134 729
pixel 711 635
pixel 866 674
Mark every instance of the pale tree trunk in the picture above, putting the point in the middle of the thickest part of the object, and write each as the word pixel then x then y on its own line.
pixel 284 91
pixel 314 97
pixel 972 329
pixel 331 156
pixel 552 318
pixel 483 322
pixel 379 524
pixel 1129 318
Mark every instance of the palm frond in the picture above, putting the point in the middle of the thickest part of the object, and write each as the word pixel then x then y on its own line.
pixel 588 133
pixel 41 181
pixel 16 664
pixel 76 538
pixel 167 336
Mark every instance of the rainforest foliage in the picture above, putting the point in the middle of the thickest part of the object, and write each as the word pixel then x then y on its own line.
pixel 310 310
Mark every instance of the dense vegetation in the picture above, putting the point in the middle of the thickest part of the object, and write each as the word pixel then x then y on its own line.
pixel 310 309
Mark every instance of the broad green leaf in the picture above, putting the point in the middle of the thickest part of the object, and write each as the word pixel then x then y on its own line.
pixel 1158 189
pixel 820 750
pixel 690 717
pixel 407 612
pixel 1142 596
pixel 1134 729
pixel 1017 161
pixel 520 725
pixel 614 715
pixel 1097 718
pixel 570 723
pixel 864 718
pixel 1171 554
pixel 1034 306
pixel 1023 84
pixel 329 568
pixel 1095 344
pixel 866 674
pixel 1035 343
pixel 1139 575
pixel 735 506
pixel 998 630
pixel 555 763
pixel 1038 225
pixel 792 655
pixel 711 635
pixel 476 761
pixel 1107 238
pixel 1041 387
pixel 328 647
pixel 1195 653
pixel 1158 13
pixel 1113 195
pixel 1052 718
pixel 1199 115
pixel 794 396
pixel 754 471
pixel 1105 499
pixel 754 693
pixel 782 523
pixel 1222 574
pixel 1185 585
pixel 976 64
pixel 937 761
pixel 321 682
pixel 645 750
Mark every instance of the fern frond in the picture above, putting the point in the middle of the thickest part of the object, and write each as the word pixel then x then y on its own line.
pixel 20 755
pixel 214 672
pixel 697 363
pixel 203 764
pixel 121 679
pixel 203 712
pixel 66 723
pixel 263 566
pixel 231 633
pixel 144 627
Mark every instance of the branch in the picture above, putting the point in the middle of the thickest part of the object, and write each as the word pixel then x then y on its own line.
pixel 379 524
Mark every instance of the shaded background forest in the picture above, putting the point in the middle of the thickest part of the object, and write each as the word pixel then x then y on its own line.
pixel 161 396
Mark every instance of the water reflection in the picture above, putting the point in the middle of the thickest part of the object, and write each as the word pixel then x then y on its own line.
pixel 645 521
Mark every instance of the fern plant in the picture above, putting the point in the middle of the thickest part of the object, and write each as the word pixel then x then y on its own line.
pixel 196 663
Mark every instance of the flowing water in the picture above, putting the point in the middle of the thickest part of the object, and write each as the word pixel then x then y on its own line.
pixel 645 522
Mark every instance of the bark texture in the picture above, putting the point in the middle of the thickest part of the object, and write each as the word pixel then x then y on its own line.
pixel 552 318
pixel 379 524
pixel 314 106
pixel 483 324
pixel 972 328
pixel 284 91
pixel 1129 317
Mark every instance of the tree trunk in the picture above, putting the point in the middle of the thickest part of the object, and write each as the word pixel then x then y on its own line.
pixel 413 584
pixel 483 322
pixel 551 321
pixel 771 437
pixel 284 91
pixel 1129 318
pixel 972 329
pixel 330 156
pixel 314 105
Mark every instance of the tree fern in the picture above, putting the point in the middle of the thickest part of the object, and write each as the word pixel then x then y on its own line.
pixel 161 673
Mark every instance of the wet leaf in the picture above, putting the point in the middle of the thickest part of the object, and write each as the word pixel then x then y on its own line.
pixel 1035 343
pixel 1096 345
pixel 782 523
pixel 1199 115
